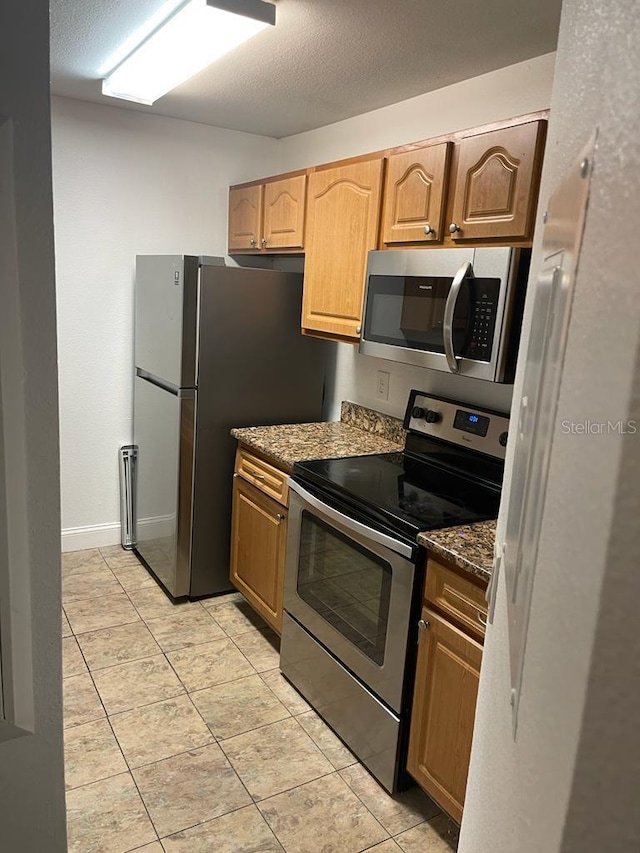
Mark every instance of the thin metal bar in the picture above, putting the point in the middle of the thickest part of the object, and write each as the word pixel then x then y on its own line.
pixel 128 459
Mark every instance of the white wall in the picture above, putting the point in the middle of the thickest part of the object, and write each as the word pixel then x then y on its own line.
pixel 570 780
pixel 125 183
pixel 519 89
pixel 32 816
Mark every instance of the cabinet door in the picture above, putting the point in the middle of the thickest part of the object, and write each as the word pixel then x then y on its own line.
pixel 258 536
pixel 414 194
pixel 444 707
pixel 284 213
pixel 496 183
pixel 245 209
pixel 343 208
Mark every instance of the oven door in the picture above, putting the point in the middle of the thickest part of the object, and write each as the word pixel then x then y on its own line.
pixel 443 309
pixel 351 587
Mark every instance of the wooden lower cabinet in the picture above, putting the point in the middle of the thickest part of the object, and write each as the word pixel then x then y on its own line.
pixel 444 706
pixel 258 538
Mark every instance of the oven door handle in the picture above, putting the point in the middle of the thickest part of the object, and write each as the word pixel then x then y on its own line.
pixel 350 523
pixel 465 271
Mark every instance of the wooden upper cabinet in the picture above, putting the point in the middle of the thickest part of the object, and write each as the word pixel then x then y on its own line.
pixel 268 217
pixel 343 209
pixel 444 705
pixel 283 224
pixel 414 187
pixel 496 183
pixel 245 217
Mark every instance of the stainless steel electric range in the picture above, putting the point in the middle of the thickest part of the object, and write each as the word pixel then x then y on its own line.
pixel 354 572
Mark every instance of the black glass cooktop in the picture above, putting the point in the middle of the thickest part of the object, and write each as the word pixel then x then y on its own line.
pixel 404 494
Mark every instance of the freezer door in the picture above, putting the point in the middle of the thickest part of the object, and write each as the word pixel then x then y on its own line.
pixel 164 435
pixel 166 304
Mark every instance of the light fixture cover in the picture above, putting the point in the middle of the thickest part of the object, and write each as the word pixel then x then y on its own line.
pixel 196 34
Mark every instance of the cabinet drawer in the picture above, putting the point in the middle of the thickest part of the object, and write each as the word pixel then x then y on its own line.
pixel 263 476
pixel 460 599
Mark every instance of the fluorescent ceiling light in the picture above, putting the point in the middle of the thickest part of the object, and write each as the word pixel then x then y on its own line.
pixel 198 33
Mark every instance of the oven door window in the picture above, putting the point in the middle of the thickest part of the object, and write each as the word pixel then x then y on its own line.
pixel 408 311
pixel 346 585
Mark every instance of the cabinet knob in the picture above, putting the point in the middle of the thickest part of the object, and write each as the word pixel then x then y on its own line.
pixel 423 625
pixel 252 242
pixel 264 241
pixel 453 228
pixel 429 230
pixel 358 329
pixel 280 517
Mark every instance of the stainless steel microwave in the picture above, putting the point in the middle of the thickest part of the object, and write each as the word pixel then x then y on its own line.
pixel 457 310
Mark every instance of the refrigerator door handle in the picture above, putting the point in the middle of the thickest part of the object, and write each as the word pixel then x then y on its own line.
pixel 181 393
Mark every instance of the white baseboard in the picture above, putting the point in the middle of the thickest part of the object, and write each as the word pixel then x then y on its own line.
pixel 101 535
pixel 96 536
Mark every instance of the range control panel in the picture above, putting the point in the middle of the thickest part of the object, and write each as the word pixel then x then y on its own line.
pixel 458 423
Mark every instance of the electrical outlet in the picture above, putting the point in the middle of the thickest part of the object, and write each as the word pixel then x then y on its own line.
pixel 382 385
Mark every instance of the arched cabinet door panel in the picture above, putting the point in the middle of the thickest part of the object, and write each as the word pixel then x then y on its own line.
pixel 414 188
pixel 343 208
pixel 496 183
pixel 283 226
pixel 245 218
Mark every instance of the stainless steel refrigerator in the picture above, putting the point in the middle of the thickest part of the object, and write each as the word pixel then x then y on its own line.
pixel 215 347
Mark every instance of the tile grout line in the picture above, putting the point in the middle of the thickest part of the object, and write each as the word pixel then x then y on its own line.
pixel 119 747
pixel 133 779
pixel 210 685
pixel 392 836
pixel 280 700
pixel 355 793
pixel 248 731
pixel 293 788
pixel 166 698
pixel 224 814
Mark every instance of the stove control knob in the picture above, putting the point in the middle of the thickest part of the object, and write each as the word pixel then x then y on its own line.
pixel 417 412
pixel 432 417
pixel 502 438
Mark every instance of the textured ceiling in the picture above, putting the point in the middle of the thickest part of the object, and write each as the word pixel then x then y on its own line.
pixel 325 60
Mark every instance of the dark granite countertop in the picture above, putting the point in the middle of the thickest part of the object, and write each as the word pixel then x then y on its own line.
pixel 359 432
pixel 469 547
pixel 289 443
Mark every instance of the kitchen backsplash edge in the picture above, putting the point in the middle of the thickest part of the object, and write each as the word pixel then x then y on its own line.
pixel 384 426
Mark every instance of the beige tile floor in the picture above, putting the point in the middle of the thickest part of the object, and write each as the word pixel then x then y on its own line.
pixel 181 736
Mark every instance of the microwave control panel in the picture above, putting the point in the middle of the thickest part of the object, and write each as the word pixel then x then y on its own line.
pixel 458 423
pixel 482 328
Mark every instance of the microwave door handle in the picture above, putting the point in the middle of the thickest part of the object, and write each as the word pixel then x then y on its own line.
pixel 465 271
